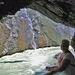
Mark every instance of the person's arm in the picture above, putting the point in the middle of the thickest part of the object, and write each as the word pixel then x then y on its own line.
pixel 48 68
pixel 64 64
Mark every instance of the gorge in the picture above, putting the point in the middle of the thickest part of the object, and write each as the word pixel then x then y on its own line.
pixel 31 32
pixel 23 28
pixel 29 29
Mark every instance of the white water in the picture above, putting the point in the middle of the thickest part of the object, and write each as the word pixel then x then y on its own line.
pixel 29 62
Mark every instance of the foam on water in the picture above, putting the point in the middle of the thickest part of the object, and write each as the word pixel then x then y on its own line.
pixel 29 62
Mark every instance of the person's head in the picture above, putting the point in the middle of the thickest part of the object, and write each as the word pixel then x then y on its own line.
pixel 64 45
pixel 73 42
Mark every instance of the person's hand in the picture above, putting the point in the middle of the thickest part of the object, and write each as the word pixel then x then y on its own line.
pixel 48 68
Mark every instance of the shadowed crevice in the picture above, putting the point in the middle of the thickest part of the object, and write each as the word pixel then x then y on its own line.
pixel 16 61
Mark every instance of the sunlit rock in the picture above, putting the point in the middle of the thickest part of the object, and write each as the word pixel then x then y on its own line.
pixel 2 39
pixel 28 29
pixel 4 34
pixel 23 43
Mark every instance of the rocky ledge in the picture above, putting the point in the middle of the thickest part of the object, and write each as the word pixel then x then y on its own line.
pixel 62 11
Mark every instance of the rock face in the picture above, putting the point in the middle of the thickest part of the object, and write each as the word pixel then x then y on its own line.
pixel 62 11
pixel 28 29
pixel 58 10
pixel 2 38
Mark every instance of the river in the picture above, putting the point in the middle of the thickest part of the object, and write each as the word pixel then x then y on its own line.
pixel 29 62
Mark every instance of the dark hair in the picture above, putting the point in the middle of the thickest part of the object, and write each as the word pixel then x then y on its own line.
pixel 73 41
pixel 65 43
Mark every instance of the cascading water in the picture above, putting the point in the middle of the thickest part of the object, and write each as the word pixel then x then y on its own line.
pixel 29 28
pixel 29 62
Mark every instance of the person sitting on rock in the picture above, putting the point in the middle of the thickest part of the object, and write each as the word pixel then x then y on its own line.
pixel 67 63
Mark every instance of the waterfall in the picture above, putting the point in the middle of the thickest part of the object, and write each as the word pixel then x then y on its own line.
pixel 29 28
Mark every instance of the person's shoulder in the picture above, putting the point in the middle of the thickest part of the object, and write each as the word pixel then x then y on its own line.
pixel 68 55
